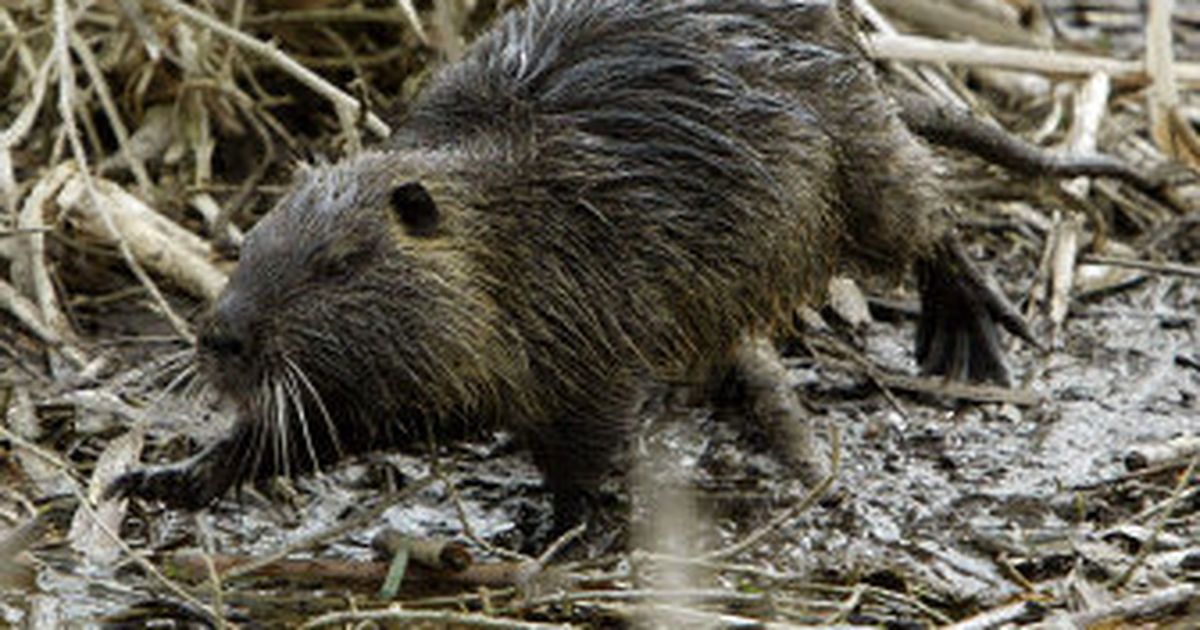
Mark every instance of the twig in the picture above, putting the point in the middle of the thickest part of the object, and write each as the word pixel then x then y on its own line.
pixel 1137 475
pixel 1142 456
pixel 1163 95
pixel 558 545
pixel 436 553
pixel 461 511
pixel 210 567
pixel 317 538
pixel 1140 606
pixel 1160 522
pixel 835 459
pixel 943 388
pixel 659 615
pixel 20 44
pixel 846 608
pixel 925 49
pixel 1014 613
pixel 24 120
pixel 1091 104
pixel 66 104
pixel 29 267
pixel 132 9
pixel 1174 269
pixel 348 108
pixel 414 617
pixel 872 372
pixel 96 76
pixel 801 581
pixel 350 14
pixel 688 595
pixel 414 22
pixel 956 127
pixel 84 504
pixel 168 248
pixel 1064 240
pixel 1185 134
pixel 193 566
pixel 403 13
pixel 949 18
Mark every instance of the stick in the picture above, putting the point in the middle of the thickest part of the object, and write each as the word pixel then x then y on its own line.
pixel 1169 505
pixel 1063 64
pixel 1014 613
pixel 96 76
pixel 942 17
pixel 348 107
pixel 192 565
pixel 423 617
pixel 937 386
pixel 1175 269
pixel 435 553
pixel 84 504
pixel 319 537
pixel 66 102
pixel 111 214
pixel 1091 105
pixel 1140 606
pixel 29 270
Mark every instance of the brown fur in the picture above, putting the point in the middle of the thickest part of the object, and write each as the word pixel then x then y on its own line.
pixel 602 196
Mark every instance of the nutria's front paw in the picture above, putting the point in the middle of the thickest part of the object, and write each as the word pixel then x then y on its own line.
pixel 178 486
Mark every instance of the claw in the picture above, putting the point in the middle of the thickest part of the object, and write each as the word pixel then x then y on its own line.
pixel 960 309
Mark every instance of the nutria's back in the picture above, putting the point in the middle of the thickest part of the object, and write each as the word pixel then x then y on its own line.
pixel 649 179
pixel 602 195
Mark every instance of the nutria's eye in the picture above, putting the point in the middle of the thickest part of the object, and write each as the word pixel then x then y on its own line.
pixel 328 261
pixel 415 208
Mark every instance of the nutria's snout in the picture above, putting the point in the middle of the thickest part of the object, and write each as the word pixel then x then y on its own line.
pixel 226 345
pixel 222 339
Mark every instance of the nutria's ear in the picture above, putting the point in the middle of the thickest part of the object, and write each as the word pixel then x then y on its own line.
pixel 415 208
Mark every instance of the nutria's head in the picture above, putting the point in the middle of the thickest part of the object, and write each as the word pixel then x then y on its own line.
pixel 354 301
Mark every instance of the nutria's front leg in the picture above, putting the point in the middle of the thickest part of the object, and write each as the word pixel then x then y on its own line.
pixel 197 481
pixel 771 399
pixel 577 449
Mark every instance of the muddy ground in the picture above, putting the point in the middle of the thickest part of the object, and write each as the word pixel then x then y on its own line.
pixel 940 509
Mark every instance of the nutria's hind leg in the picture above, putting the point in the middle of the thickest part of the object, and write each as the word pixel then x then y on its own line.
pixel 961 306
pixel 771 399
pixel 897 214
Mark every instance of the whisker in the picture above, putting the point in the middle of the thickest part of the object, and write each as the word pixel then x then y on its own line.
pixel 185 374
pixel 258 420
pixel 196 388
pixel 316 396
pixel 282 432
pixel 293 391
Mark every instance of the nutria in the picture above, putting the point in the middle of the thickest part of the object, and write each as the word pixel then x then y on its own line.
pixel 601 197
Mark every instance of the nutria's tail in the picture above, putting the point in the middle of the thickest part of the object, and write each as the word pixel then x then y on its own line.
pixel 960 308
pixel 956 128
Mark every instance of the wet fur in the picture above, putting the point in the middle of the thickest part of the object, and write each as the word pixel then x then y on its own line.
pixel 625 190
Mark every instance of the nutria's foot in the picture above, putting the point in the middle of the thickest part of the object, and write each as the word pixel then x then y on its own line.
pixel 605 522
pixel 179 486
pixel 193 483
pixel 960 308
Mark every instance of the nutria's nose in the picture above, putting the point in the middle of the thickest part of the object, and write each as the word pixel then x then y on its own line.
pixel 223 335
